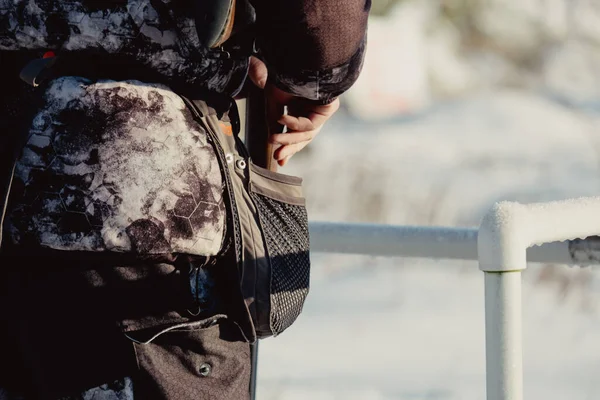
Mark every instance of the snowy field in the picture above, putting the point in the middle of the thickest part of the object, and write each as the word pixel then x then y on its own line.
pixel 406 329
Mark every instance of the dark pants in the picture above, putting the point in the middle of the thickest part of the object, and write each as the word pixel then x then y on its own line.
pixel 71 323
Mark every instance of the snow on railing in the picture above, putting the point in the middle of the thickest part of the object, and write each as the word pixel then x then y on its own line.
pixel 435 242
pixel 510 235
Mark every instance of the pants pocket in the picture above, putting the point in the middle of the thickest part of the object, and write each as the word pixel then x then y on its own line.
pixel 207 359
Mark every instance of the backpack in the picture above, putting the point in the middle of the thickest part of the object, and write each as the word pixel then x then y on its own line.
pixel 215 198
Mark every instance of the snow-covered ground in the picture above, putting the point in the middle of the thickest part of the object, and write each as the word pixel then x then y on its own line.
pixel 406 329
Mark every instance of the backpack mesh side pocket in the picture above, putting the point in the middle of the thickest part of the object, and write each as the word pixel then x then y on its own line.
pixel 285 228
pixel 284 224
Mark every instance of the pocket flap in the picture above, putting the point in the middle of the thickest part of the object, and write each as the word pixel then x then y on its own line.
pixel 277 186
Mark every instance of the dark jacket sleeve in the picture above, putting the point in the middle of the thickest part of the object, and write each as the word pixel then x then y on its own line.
pixel 313 48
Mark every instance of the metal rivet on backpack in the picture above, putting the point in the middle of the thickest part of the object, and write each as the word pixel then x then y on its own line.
pixel 205 369
pixel 241 164
pixel 229 158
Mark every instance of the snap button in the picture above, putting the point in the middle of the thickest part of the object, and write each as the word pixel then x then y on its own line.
pixel 229 158
pixel 205 369
pixel 241 164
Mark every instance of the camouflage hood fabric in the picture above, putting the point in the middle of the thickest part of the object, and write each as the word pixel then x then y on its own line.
pixel 154 34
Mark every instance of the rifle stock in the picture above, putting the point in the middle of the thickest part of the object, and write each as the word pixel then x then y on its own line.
pixel 258 130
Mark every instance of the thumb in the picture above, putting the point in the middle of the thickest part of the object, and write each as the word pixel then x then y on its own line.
pixel 274 108
pixel 257 72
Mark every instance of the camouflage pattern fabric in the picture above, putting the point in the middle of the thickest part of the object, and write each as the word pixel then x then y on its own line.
pixel 157 34
pixel 117 166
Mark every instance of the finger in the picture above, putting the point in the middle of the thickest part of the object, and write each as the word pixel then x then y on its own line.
pixel 284 161
pixel 288 150
pixel 257 72
pixel 292 137
pixel 298 124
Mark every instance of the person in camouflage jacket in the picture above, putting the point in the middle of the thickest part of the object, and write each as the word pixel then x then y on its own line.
pixel 106 291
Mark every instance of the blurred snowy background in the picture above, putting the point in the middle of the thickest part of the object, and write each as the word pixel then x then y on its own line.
pixel 461 103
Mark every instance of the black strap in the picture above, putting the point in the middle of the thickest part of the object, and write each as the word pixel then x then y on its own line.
pixel 118 67
pixel 18 104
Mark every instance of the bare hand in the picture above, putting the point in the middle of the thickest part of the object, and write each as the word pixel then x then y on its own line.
pixel 303 120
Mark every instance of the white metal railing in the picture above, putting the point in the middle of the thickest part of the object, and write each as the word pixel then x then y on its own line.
pixel 560 232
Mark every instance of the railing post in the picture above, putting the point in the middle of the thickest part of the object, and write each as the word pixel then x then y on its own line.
pixel 503 337
pixel 502 257
pixel 504 236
